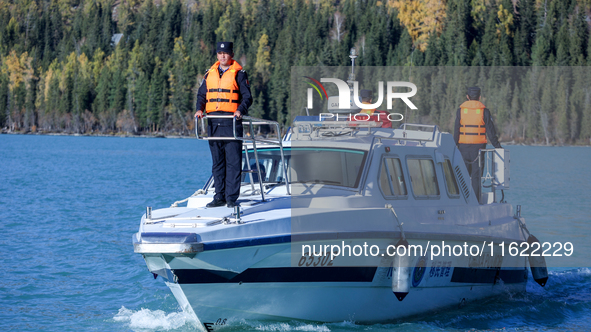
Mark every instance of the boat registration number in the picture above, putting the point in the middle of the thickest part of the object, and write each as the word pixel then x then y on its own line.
pixel 308 260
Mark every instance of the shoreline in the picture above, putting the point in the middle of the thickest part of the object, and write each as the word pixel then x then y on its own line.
pixel 163 135
pixel 122 135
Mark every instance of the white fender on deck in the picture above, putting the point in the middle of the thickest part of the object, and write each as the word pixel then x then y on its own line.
pixel 401 272
pixel 537 263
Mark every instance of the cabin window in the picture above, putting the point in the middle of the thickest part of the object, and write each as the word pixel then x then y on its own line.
pixel 338 167
pixel 391 178
pixel 450 179
pixel 269 164
pixel 422 177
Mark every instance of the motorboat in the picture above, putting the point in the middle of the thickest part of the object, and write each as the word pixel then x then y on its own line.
pixel 342 221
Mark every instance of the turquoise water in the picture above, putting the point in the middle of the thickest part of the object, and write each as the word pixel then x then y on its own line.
pixel 69 205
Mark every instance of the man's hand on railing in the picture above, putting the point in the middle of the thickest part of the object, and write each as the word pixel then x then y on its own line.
pixel 199 114
pixel 238 115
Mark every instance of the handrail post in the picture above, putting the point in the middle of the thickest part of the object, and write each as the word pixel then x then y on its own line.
pixel 256 157
pixel 283 164
pixel 249 169
pixel 479 197
pixel 493 171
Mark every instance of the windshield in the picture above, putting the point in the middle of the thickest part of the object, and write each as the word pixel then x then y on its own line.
pixel 339 167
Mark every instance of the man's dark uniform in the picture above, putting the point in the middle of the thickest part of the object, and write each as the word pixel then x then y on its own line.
pixel 473 124
pixel 231 93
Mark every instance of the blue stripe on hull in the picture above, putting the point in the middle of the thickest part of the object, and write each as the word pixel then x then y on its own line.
pixel 332 274
pixel 488 276
pixel 278 274
pixel 246 242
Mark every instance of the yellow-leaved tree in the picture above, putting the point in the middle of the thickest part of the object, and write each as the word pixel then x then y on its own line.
pixel 263 64
pixel 18 70
pixel 421 18
pixel 505 16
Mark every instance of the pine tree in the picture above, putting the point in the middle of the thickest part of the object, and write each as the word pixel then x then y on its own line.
pixel 53 97
pixel 142 97
pixel 71 116
pixel 586 118
pixel 118 87
pixel 133 73
pixel 172 28
pixel 515 113
pixel 432 54
pixel 4 93
pixel 525 35
pixel 489 42
pixel 157 90
pixel 562 109
pixel 562 48
pixel 542 47
pixel 532 104
pixel 257 109
pixel 107 28
pixel 180 85
pixel 506 49
pixel 547 106
pixel 100 105
pixel 578 39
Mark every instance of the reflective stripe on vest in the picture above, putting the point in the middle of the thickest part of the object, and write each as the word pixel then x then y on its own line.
pixel 223 94
pixel 472 127
pixel 369 112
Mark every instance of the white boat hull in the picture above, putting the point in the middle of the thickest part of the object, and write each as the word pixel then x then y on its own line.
pixel 326 302
pixel 268 291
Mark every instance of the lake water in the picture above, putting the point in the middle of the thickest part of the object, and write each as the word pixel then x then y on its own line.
pixel 69 206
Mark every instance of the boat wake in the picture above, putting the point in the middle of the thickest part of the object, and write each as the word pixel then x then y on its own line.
pixel 283 327
pixel 571 286
pixel 155 320
pixel 566 293
pixel 566 296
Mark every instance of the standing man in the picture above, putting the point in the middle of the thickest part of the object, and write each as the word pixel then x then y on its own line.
pixel 225 91
pixel 374 114
pixel 473 124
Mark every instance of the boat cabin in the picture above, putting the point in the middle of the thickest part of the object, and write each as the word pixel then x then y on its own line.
pixel 413 163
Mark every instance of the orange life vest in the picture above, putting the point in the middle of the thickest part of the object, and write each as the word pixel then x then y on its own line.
pixel 373 116
pixel 223 93
pixel 472 127
pixel 367 111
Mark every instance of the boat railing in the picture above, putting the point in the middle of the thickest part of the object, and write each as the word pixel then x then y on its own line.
pixel 494 164
pixel 250 122
pixel 326 129
pixel 420 136
pixel 432 130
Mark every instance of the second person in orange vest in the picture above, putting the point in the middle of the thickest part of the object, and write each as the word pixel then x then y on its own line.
pixel 473 124
pixel 225 91
pixel 374 114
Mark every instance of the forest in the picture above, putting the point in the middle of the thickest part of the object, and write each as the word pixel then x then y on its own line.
pixel 134 66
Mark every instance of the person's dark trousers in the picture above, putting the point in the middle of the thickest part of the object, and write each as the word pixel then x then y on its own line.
pixel 226 158
pixel 470 154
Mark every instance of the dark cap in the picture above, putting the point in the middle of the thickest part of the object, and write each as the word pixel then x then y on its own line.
pixel 366 94
pixel 473 93
pixel 227 47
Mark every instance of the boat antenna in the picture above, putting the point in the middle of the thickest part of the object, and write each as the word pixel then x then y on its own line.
pixel 352 55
